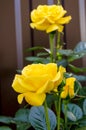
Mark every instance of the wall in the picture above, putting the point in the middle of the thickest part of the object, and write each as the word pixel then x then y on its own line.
pixel 7 56
pixel 73 28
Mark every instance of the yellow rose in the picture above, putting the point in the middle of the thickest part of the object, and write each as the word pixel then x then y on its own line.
pixel 68 89
pixel 36 80
pixel 49 18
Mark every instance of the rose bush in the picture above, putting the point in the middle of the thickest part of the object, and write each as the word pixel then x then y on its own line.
pixel 36 80
pixel 57 98
pixel 49 18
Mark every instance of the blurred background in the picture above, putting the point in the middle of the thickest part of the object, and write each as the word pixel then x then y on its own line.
pixel 16 36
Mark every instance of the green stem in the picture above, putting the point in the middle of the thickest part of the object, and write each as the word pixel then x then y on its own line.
pixel 65 108
pixel 52 47
pixel 59 46
pixel 58 40
pixel 46 115
pixel 59 111
pixel 56 110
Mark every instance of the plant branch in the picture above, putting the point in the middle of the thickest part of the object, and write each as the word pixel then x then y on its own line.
pixel 46 115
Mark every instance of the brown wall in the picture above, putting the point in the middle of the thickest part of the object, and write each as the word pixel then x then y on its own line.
pixel 7 56
pixel 7 35
pixel 73 28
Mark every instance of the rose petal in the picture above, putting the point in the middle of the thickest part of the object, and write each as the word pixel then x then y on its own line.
pixel 35 99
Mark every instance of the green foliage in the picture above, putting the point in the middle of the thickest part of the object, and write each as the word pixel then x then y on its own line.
pixel 6 120
pixel 84 107
pixel 37 59
pixel 22 119
pixel 37 118
pixel 83 128
pixel 76 69
pixel 74 112
pixel 5 128
pixel 81 46
pixel 68 56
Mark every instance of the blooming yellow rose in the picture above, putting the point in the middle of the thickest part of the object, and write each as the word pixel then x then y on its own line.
pixel 36 80
pixel 49 18
pixel 68 89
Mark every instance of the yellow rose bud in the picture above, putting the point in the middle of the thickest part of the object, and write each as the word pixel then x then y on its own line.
pixel 68 89
pixel 49 18
pixel 36 80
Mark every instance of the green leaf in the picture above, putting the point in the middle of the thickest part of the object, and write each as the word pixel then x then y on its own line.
pixel 76 69
pixel 80 78
pixel 22 115
pixel 34 59
pixel 77 87
pixel 84 107
pixel 37 59
pixel 74 112
pixel 82 91
pixel 42 54
pixel 81 46
pixel 82 122
pixel 65 52
pixel 23 126
pixel 82 128
pixel 22 119
pixel 35 48
pixel 79 52
pixel 37 118
pixel 62 62
pixel 6 120
pixel 5 128
pixel 76 55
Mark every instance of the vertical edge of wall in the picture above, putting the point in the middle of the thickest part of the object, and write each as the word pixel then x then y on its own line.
pixel 26 33
pixel 18 33
pixel 82 16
